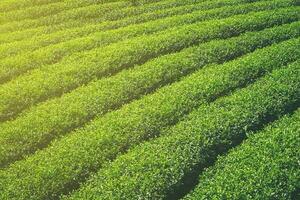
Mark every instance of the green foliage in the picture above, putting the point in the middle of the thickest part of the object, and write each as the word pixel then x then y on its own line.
pixel 49 9
pixel 12 5
pixel 69 161
pixel 27 45
pixel 265 166
pixel 79 69
pixel 133 99
pixel 82 15
pixel 134 2
pixel 140 14
pixel 87 102
pixel 68 15
pixel 155 169
pixel 14 66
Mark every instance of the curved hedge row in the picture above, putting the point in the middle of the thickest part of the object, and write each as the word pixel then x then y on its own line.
pixel 265 166
pixel 81 69
pixel 34 12
pixel 102 12
pixel 92 27
pixel 14 66
pixel 88 102
pixel 156 169
pixel 69 161
pixel 15 48
pixel 9 5
pixel 67 15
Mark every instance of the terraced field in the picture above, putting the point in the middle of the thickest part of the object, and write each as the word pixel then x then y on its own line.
pixel 149 99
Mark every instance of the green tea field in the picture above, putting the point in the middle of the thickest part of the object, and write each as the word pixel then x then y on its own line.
pixel 149 99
